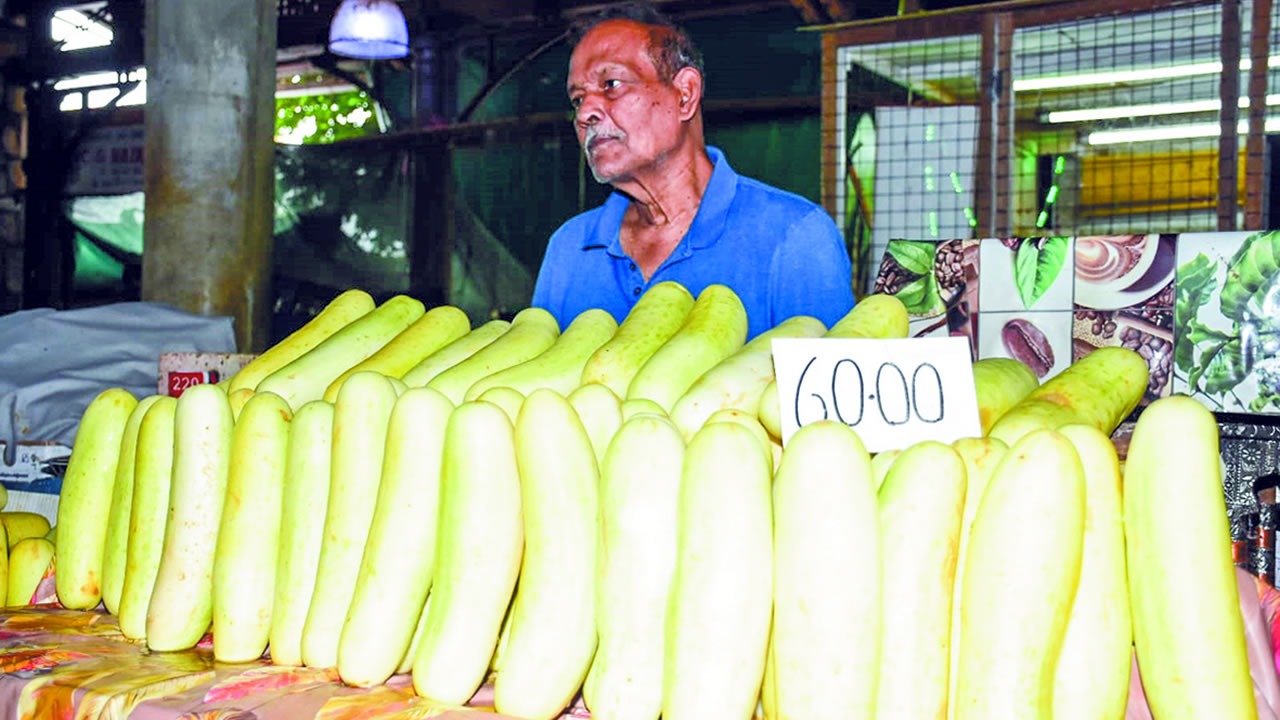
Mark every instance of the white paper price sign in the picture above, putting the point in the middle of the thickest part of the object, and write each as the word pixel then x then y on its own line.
pixel 894 393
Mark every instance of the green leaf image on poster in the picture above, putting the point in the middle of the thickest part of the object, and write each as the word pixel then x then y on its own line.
pixel 1037 265
pixel 1231 353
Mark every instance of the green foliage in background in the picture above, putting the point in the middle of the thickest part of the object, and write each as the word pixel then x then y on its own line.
pixel 318 119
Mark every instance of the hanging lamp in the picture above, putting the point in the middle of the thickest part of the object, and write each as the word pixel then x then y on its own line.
pixel 370 29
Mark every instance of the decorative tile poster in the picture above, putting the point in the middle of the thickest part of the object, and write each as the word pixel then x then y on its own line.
pixel 1202 308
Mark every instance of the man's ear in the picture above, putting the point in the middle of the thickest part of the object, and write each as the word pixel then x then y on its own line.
pixel 688 82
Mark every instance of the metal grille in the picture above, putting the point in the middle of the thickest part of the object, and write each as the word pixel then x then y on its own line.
pixel 1118 123
pixel 910 127
pixel 1068 119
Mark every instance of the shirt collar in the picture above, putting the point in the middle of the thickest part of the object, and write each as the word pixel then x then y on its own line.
pixel 708 223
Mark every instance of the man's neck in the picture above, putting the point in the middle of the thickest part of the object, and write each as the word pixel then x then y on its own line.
pixel 664 201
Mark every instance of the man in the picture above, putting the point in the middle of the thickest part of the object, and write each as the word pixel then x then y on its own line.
pixel 679 211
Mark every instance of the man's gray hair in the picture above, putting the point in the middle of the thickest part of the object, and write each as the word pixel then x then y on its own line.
pixel 670 47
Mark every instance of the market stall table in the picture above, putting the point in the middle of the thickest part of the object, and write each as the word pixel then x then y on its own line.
pixel 60 663
pixel 65 664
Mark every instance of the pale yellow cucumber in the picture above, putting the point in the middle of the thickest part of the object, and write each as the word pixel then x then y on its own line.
pixel 237 399
pixel 455 352
pixel 921 507
pixel 875 316
pixel 601 414
pixel 1001 383
pixel 736 382
pixel 181 604
pixel 406 662
pixel 20 525
pixel 360 420
pixel 152 476
pixel 504 638
pixel 1187 625
pixel 306 497
pixel 655 317
pixel 437 328
pixel 715 328
pixel 826 624
pixel 749 422
pixel 980 456
pixel 1020 577
pixel 306 377
pixel 717 626
pixel 85 501
pixel 1099 389
pixel 4 559
pixel 28 562
pixel 639 489
pixel 506 398
pixel 640 406
pixel 387 603
pixel 769 411
pixel 340 312
pixel 880 464
pixel 768 707
pixel 244 564
pixel 560 367
pixel 533 330
pixel 115 552
pixel 478 552
pixel 553 625
pixel 1092 679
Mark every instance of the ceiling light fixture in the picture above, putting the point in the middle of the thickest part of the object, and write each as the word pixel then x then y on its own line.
pixel 1149 110
pixel 1111 77
pixel 1171 132
pixel 369 29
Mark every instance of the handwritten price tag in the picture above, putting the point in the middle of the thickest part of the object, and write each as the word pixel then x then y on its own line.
pixel 894 393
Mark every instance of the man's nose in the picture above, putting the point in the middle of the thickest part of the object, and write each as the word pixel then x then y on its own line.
pixel 589 111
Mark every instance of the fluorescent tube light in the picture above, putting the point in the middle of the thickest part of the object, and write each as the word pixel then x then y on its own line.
pixel 1148 110
pixel 1110 77
pixel 1171 132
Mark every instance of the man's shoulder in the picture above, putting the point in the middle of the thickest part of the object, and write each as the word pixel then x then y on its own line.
pixel 760 198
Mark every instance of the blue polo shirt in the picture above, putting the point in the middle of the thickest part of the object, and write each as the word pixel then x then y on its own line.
pixel 779 252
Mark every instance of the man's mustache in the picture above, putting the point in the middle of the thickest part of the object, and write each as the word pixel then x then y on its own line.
pixel 595 132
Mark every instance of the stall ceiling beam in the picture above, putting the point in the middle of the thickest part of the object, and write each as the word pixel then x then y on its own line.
pixel 838 10
pixel 208 166
pixel 809 12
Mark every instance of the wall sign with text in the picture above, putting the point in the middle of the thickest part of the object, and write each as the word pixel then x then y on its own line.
pixel 894 393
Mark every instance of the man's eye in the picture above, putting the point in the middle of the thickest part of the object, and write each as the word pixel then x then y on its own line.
pixel 612 83
pixel 575 102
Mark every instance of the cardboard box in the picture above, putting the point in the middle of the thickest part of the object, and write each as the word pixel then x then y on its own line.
pixel 179 371
pixel 34 480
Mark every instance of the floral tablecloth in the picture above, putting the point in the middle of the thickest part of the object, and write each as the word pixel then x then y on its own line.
pixel 71 665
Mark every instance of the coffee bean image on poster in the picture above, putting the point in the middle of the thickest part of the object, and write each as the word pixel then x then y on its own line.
pixel 1040 340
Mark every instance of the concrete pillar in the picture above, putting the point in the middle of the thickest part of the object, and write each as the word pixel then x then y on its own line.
pixel 209 161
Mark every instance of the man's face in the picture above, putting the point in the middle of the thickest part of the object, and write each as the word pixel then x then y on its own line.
pixel 626 117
